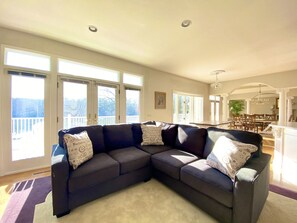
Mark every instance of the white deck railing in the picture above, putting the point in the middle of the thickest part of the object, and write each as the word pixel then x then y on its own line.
pixel 24 125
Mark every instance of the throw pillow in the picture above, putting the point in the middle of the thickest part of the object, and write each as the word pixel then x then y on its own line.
pixel 79 147
pixel 228 156
pixel 151 135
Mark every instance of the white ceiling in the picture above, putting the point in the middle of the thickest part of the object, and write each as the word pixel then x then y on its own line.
pixel 244 37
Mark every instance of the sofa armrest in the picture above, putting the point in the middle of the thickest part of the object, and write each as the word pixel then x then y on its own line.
pixel 251 189
pixel 60 175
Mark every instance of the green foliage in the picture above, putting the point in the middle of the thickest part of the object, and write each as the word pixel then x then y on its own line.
pixel 236 106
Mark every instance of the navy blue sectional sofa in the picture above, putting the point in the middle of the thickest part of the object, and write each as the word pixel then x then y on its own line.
pixel 119 161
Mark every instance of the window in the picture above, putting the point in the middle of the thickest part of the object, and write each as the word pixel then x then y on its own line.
pixel 133 97
pixel 215 107
pixel 132 105
pixel 85 70
pixel 187 108
pixel 26 59
pixel 133 79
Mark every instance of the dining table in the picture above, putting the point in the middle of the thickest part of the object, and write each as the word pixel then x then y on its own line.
pixel 207 124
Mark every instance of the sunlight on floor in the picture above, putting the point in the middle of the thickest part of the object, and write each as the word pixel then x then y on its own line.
pixel 283 176
pixel 4 197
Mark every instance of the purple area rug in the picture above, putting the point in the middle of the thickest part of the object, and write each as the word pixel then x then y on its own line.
pixel 283 191
pixel 25 195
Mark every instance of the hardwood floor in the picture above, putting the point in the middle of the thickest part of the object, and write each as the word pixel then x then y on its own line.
pixel 6 183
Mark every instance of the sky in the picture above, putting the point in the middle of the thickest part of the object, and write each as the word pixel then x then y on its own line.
pixel 27 87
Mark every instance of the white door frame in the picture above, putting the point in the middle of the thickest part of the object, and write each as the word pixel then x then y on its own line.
pixel 9 166
pixel 92 100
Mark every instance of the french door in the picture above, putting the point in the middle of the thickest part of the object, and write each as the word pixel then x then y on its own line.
pixel 183 109
pixel 26 121
pixel 187 108
pixel 87 102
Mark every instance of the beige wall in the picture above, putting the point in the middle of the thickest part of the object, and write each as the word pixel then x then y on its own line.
pixel 265 108
pixel 160 81
pixel 287 79
pixel 154 80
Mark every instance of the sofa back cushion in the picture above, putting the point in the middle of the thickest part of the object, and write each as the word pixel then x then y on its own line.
pixel 118 136
pixel 169 133
pixel 242 136
pixel 137 132
pixel 95 133
pixel 191 139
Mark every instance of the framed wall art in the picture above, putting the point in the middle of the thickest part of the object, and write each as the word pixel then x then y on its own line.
pixel 160 100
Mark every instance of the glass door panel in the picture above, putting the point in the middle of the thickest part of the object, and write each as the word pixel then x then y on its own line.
pixel 187 108
pixel 212 110
pixel 217 111
pixel 27 118
pixel 107 105
pixel 132 105
pixel 74 104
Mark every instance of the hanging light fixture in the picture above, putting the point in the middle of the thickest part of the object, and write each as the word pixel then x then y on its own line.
pixel 259 99
pixel 217 85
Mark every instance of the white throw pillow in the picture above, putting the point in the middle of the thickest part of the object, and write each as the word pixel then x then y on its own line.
pixel 79 147
pixel 228 156
pixel 151 135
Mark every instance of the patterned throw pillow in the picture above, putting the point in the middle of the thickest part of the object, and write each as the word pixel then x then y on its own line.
pixel 151 135
pixel 228 156
pixel 79 147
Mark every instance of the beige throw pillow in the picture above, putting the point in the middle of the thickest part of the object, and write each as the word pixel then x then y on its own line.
pixel 151 135
pixel 79 147
pixel 228 156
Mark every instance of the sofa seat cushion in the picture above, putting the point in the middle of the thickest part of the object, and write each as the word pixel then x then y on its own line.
pixel 154 149
pixel 171 161
pixel 208 181
pixel 99 169
pixel 130 159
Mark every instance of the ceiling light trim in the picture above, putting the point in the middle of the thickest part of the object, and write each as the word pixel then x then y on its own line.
pixel 186 23
pixel 93 28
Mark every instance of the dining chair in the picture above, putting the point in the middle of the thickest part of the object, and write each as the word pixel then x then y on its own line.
pixel 259 121
pixel 249 123
pixel 270 117
pixel 237 122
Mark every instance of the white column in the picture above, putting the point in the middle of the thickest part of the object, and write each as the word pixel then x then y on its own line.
pixel 289 107
pixel 282 105
pixel 248 106
pixel 225 110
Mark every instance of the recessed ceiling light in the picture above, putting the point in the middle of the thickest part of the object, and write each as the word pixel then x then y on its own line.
pixel 93 28
pixel 186 23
